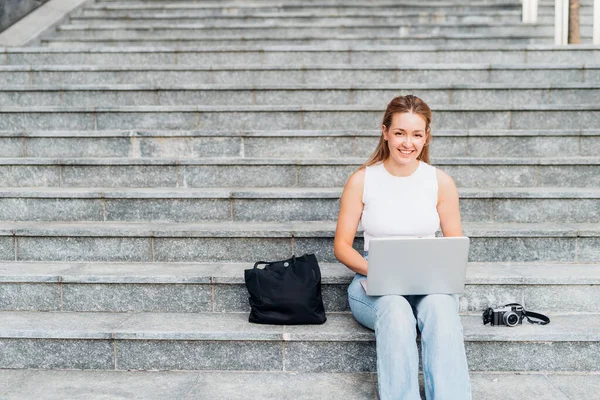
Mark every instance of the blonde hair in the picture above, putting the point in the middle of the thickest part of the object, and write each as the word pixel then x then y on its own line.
pixel 399 105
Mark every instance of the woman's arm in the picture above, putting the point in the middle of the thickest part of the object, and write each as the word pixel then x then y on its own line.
pixel 447 206
pixel 351 207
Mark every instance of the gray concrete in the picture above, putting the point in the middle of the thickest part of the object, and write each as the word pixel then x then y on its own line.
pixel 234 241
pixel 449 41
pixel 132 95
pixel 56 354
pixel 12 11
pixel 286 75
pixel 259 385
pixel 216 341
pixel 84 249
pixel 33 297
pixel 54 385
pixel 7 248
pixel 185 287
pixel 44 18
pixel 529 205
pixel 199 355
pixel 388 55
pixel 289 117
pixel 139 298
pixel 281 144
pixel 363 18
pixel 113 31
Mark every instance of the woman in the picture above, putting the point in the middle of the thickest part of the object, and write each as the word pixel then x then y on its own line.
pixel 397 193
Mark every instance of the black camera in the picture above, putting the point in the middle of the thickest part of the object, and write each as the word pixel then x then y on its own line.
pixel 509 315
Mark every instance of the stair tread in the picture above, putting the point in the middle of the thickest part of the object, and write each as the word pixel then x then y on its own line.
pixel 246 385
pixel 574 160
pixel 310 48
pixel 493 273
pixel 272 229
pixel 295 87
pixel 235 326
pixel 293 107
pixel 279 193
pixel 295 67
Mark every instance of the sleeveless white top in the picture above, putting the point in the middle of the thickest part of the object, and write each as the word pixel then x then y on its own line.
pixel 399 206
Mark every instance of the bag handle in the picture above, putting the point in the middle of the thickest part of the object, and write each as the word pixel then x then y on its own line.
pixel 267 263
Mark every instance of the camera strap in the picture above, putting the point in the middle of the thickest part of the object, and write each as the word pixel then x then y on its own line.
pixel 543 320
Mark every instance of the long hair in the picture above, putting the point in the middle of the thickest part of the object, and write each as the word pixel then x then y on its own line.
pixel 402 104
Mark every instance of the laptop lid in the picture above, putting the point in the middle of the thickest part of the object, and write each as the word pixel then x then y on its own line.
pixel 412 265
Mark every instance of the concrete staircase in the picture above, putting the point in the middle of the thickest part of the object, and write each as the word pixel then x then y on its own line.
pixel 137 183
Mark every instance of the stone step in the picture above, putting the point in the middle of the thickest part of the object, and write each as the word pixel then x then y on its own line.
pixel 277 94
pixel 302 144
pixel 219 287
pixel 231 385
pixel 321 18
pixel 266 172
pixel 543 4
pixel 337 19
pixel 455 116
pixel 293 5
pixel 147 31
pixel 219 385
pixel 523 205
pixel 235 40
pixel 425 74
pixel 435 14
pixel 200 10
pixel 226 341
pixel 303 55
pixel 240 241
pixel 234 2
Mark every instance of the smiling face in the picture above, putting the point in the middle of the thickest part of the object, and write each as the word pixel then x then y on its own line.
pixel 406 136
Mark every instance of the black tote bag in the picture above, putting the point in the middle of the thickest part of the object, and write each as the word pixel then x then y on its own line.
pixel 286 292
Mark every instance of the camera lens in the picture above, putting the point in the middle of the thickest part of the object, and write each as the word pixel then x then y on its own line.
pixel 510 319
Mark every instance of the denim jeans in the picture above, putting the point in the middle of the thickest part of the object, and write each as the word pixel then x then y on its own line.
pixel 394 320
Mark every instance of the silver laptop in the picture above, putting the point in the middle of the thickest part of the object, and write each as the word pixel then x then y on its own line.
pixel 412 265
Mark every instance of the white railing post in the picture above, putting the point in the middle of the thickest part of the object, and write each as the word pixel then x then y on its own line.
pixel 561 22
pixel 530 11
pixel 596 22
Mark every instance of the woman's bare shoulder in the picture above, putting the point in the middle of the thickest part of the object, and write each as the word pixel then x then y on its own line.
pixel 444 180
pixel 357 179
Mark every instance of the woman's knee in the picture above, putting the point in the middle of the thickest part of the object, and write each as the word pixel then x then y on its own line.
pixel 439 309
pixel 396 308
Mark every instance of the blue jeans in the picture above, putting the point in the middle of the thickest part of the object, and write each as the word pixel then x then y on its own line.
pixel 394 320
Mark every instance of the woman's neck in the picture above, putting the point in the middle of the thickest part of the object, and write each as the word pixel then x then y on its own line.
pixel 401 170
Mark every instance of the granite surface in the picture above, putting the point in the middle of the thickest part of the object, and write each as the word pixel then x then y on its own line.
pixel 137 297
pixel 33 297
pixel 195 355
pixel 56 354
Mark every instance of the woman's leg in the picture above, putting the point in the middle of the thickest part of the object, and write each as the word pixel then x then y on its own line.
pixel 445 369
pixel 392 319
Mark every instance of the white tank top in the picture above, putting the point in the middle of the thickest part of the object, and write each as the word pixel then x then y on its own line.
pixel 399 206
